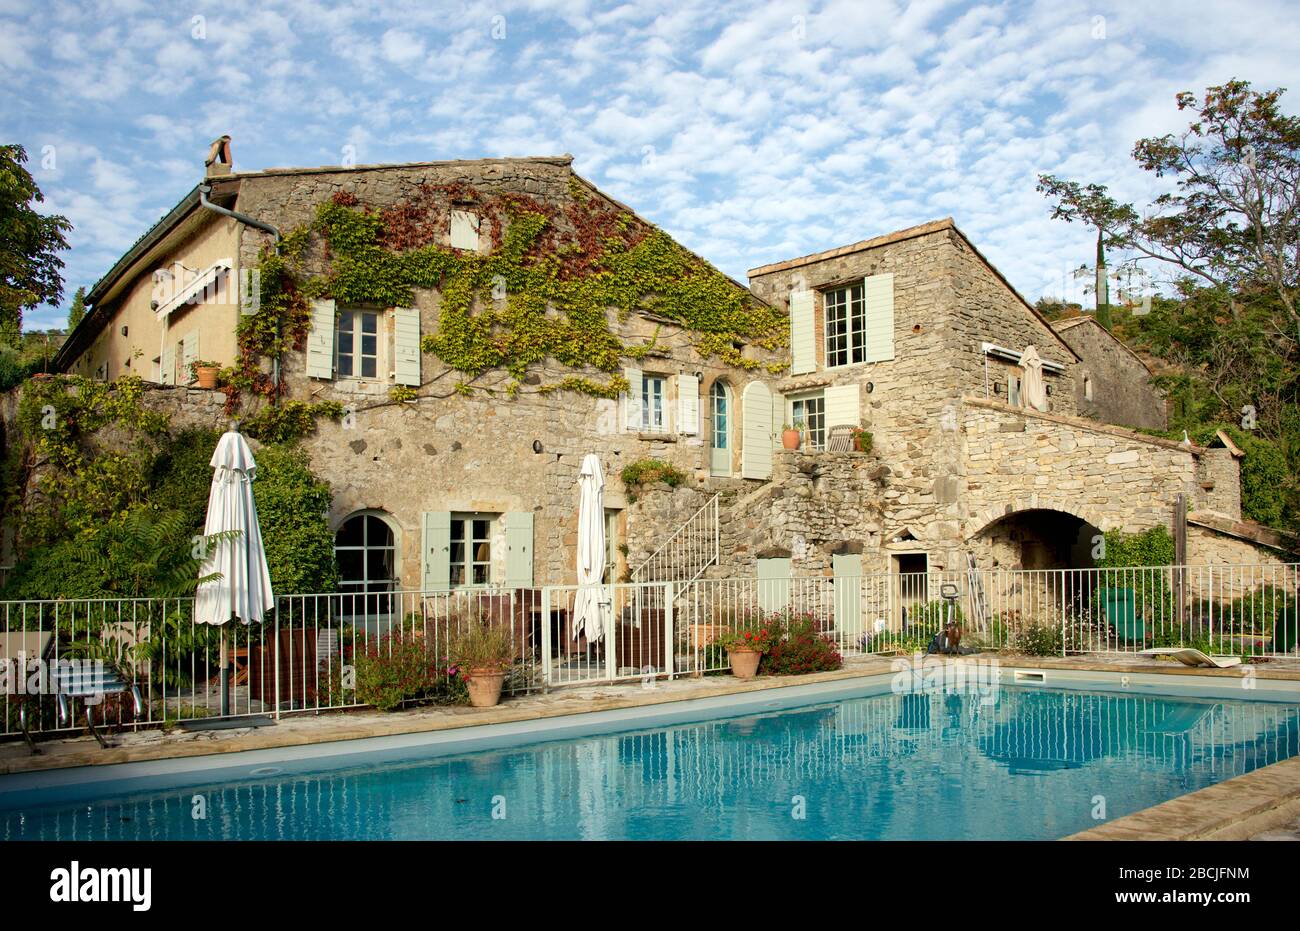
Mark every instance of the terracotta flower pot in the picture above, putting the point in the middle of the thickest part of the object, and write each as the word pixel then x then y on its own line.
pixel 790 439
pixel 485 687
pixel 206 376
pixel 744 663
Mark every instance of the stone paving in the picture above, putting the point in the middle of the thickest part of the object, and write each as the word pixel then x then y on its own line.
pixel 1284 832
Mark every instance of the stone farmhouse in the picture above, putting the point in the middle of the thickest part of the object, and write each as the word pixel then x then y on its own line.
pixel 468 478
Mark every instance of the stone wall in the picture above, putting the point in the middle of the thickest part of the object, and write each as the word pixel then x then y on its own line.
pixel 1111 478
pixel 819 505
pixel 1218 482
pixel 1120 384
pixel 987 309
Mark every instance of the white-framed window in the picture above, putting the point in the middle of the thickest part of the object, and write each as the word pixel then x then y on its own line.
pixel 808 413
pixel 846 325
pixel 356 344
pixel 652 403
pixel 471 550
pixel 719 404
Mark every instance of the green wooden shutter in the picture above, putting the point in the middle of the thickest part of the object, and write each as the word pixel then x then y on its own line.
pixel 406 346
pixel 632 399
pixel 435 573
pixel 320 341
pixel 803 333
pixel 756 430
pixel 167 367
pixel 879 293
pixel 773 584
pixel 519 548
pixel 189 355
pixel 688 404
pixel 847 569
pixel 843 406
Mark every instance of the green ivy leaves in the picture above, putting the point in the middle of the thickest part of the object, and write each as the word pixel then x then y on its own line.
pixel 545 291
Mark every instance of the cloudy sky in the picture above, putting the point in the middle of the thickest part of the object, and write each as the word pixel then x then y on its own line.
pixel 750 131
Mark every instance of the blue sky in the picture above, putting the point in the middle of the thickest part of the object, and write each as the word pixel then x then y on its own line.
pixel 750 131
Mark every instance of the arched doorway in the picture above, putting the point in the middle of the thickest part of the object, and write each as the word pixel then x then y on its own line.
pixel 1054 551
pixel 720 434
pixel 1039 538
pixel 365 550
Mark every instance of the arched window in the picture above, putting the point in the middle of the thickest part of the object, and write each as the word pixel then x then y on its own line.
pixel 365 549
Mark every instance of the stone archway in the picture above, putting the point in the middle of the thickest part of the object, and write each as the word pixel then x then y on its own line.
pixel 1083 511
pixel 1036 538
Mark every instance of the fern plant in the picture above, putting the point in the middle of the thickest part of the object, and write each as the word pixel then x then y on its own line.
pixel 146 553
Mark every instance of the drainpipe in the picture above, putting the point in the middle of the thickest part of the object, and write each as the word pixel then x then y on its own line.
pixel 241 217
pixel 244 218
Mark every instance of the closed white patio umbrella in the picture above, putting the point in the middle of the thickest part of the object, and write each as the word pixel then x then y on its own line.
pixel 589 602
pixel 241 586
pixel 1033 391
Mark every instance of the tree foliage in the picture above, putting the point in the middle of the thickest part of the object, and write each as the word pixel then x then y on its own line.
pixel 30 267
pixel 77 312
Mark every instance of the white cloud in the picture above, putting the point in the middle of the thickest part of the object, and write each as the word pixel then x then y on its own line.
pixel 752 132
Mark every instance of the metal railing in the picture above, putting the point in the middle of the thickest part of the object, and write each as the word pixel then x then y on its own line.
pixel 687 553
pixel 317 652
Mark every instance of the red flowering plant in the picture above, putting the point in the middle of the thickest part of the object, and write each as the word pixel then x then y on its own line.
pixel 802 647
pixel 755 638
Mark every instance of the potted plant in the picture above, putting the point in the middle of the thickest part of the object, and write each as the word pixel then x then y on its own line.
pixel 745 648
pixel 483 652
pixel 205 373
pixel 862 439
pixel 792 435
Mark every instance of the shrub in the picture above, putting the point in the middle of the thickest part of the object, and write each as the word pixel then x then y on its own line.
pixel 292 508
pixel 648 471
pixel 801 648
pixel 929 617
pixel 894 642
pixel 1037 640
pixel 13 368
pixel 1154 547
pixel 482 645
pixel 1260 611
pixel 392 671
pixel 180 477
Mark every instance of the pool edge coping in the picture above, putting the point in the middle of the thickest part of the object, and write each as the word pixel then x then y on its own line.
pixel 1235 809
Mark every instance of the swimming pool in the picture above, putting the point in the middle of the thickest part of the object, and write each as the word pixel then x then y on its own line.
pixel 1023 762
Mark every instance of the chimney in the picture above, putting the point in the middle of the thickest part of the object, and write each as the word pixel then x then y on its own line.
pixel 219 159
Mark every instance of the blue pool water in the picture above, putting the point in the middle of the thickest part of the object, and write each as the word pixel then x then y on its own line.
pixel 1019 763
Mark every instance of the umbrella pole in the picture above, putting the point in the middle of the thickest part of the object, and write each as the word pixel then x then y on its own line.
pixel 225 675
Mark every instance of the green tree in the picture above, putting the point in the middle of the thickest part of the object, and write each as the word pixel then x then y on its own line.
pixel 1090 204
pixel 77 312
pixel 30 267
pixel 1232 218
pixel 292 508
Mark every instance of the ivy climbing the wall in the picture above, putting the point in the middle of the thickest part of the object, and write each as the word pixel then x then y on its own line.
pixel 544 289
